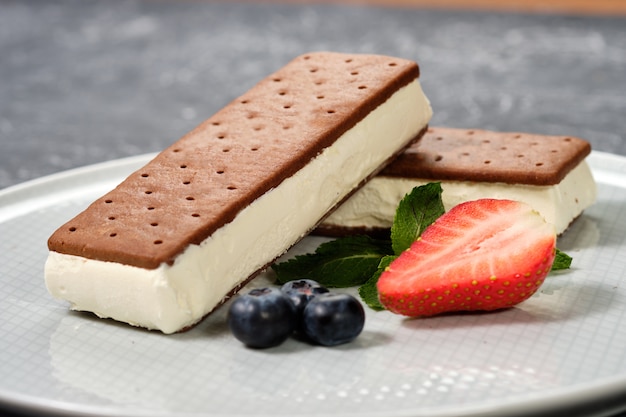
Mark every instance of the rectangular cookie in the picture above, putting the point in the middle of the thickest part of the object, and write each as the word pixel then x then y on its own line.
pixel 547 172
pixel 178 236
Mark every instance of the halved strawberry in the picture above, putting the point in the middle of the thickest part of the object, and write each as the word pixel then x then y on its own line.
pixel 481 255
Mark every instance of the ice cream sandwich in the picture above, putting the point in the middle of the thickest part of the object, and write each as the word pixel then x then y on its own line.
pixel 180 235
pixel 548 172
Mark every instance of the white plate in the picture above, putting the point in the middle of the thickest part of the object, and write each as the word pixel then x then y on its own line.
pixel 564 349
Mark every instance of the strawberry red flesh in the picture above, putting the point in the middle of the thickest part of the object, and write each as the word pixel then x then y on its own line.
pixel 481 255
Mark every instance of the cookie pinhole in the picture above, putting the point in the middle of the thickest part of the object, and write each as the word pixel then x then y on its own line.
pixel 108 201
pixel 354 73
pixel 520 155
pixel 347 61
pixel 72 229
pixel 231 187
pixel 221 136
pixel 330 111
pixel 183 166
pixel 195 215
pixel 176 150
pixel 320 97
pixel 276 80
pixel 254 148
pixel 486 141
pixel 313 70
pixel 148 192
pixel 144 175
pixel 154 224
pixel 487 162
pixel 470 132
pixel 113 234
pixel 226 150
pixel 150 208
pixel 158 242
pixel 186 182
pixel 287 106
pixel 111 217
pixel 189 198
pixel 567 139
pixel 362 87
pixel 539 164
pixel 282 93
pixel 517 136
pixel 392 64
pixel 219 171
pixel 438 158
pixel 215 123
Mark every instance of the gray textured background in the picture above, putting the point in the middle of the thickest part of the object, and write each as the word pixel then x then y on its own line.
pixel 89 81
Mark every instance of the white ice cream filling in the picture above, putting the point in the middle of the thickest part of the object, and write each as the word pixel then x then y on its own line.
pixel 374 205
pixel 173 297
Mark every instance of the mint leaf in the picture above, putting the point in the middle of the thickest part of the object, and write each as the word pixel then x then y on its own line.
pixel 369 291
pixel 561 261
pixel 417 210
pixel 343 262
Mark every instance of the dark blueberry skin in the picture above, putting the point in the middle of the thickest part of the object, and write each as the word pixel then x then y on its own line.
pixel 332 319
pixel 263 318
pixel 302 291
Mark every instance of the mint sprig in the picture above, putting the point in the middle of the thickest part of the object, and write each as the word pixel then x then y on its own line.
pixel 360 260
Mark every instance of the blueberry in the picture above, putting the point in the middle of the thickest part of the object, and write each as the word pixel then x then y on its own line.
pixel 302 291
pixel 262 318
pixel 333 318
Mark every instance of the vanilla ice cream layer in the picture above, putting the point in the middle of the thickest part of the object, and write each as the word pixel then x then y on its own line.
pixel 374 205
pixel 173 297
